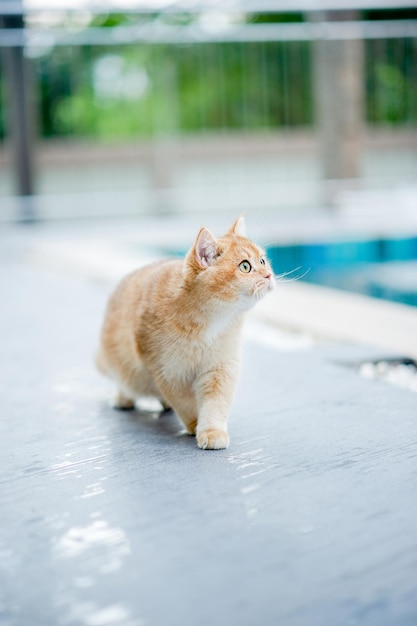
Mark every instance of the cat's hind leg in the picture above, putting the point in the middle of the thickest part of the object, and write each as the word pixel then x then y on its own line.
pixel 186 410
pixel 123 401
pixel 138 383
pixel 183 402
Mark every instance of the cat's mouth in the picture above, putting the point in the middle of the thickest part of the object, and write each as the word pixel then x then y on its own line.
pixel 263 286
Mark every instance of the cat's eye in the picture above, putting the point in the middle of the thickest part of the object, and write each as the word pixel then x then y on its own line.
pixel 262 260
pixel 245 267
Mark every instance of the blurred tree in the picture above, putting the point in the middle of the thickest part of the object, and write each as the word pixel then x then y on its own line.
pixel 392 82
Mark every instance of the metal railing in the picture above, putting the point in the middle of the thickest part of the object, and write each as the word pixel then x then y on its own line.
pixel 320 126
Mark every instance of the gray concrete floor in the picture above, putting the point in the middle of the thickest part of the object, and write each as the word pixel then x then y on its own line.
pixel 117 519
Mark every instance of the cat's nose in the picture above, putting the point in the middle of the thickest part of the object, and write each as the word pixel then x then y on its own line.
pixel 268 276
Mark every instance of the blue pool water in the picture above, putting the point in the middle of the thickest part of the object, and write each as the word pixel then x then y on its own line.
pixel 382 268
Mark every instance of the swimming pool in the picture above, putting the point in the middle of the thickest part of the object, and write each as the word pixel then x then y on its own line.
pixel 383 268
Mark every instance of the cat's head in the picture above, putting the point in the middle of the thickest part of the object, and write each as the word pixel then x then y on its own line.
pixel 230 268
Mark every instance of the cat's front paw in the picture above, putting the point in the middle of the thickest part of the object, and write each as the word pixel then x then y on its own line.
pixel 212 439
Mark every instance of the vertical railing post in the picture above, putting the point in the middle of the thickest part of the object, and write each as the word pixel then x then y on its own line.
pixel 165 140
pixel 19 117
pixel 339 97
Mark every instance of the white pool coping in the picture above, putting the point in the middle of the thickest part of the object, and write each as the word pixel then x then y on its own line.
pixel 337 315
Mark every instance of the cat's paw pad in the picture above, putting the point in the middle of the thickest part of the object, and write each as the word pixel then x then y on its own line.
pixel 212 439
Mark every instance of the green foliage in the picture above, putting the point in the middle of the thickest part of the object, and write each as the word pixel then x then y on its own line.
pixel 392 85
pixel 392 82
pixel 188 88
pixel 276 18
pixel 138 90
pixel 243 86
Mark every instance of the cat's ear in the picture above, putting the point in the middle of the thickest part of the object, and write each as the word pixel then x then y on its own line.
pixel 238 227
pixel 206 248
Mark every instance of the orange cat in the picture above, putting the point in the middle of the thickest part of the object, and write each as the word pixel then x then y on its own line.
pixel 172 330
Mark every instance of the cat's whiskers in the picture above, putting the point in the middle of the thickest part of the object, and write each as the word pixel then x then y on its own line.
pixel 281 278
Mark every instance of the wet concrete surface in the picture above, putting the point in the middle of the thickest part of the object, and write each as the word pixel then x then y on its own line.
pixel 117 519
